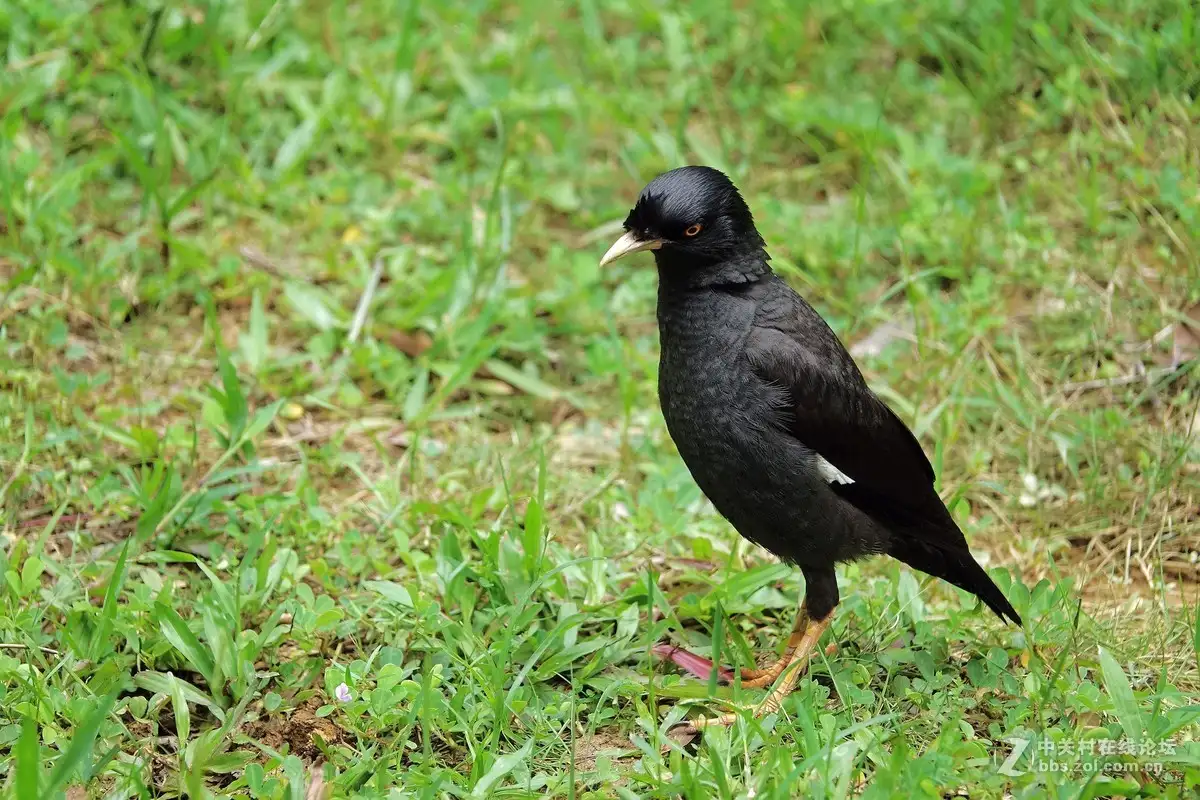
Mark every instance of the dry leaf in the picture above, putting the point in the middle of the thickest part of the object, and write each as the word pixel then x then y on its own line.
pixel 317 790
pixel 1186 344
pixel 411 344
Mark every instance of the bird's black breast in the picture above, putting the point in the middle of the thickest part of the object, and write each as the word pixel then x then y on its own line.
pixel 729 427
pixel 709 396
pixel 724 420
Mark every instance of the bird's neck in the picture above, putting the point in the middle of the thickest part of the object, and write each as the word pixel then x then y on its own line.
pixel 682 271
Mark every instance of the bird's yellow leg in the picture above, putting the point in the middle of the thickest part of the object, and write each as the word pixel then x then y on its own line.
pixel 757 678
pixel 791 675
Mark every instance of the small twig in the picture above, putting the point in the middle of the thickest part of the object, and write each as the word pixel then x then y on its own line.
pixel 37 59
pixel 1158 338
pixel 258 258
pixel 64 520
pixel 50 651
pixel 1117 123
pixel 264 262
pixel 630 551
pixel 593 494
pixel 991 503
pixel 1166 226
pixel 1147 376
pixel 364 302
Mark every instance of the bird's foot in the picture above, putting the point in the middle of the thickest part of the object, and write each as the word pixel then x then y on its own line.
pixel 751 678
pixel 770 705
pixel 703 668
pixel 799 658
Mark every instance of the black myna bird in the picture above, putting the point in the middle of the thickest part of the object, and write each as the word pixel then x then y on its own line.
pixel 774 419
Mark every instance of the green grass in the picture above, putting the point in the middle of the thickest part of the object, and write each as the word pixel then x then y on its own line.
pixel 218 505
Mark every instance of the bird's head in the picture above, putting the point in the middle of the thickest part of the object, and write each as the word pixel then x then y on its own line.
pixel 691 216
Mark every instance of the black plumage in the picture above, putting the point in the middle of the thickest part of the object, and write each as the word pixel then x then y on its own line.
pixel 769 411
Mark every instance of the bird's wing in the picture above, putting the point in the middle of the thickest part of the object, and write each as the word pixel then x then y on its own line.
pixel 870 457
pixel 865 453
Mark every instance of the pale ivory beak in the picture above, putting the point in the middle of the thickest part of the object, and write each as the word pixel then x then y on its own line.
pixel 628 243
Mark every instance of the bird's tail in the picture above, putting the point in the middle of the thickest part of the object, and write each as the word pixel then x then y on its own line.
pixel 958 567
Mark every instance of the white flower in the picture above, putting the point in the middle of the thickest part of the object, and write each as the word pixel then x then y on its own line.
pixel 342 693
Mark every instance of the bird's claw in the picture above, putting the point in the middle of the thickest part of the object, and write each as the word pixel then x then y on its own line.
pixel 685 732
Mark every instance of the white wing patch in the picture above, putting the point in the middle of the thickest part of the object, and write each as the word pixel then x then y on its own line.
pixel 830 473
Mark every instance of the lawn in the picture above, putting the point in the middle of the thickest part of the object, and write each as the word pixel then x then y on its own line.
pixel 331 463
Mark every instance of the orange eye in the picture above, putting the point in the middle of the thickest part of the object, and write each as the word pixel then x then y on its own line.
pixel 693 230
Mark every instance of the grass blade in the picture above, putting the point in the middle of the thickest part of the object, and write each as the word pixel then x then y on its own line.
pixel 29 761
pixel 504 765
pixel 1124 704
pixel 80 749
pixel 182 639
